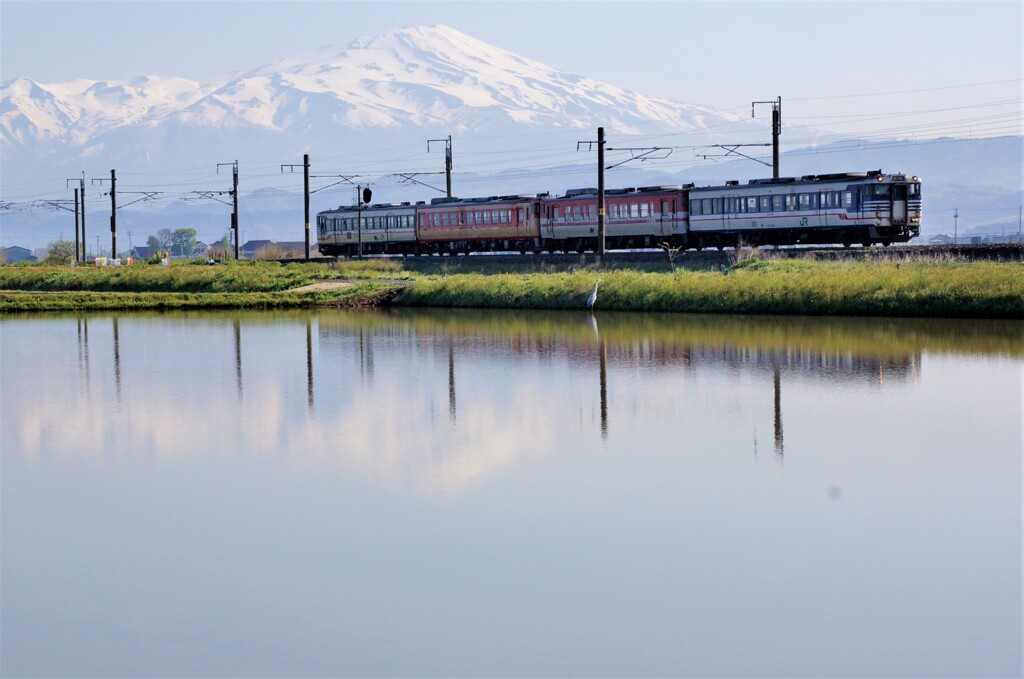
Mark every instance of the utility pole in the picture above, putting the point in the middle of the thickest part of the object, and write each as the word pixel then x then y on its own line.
pixel 600 193
pixel 113 215
pixel 77 244
pixel 776 130
pixel 234 195
pixel 447 161
pixel 81 194
pixel 113 212
pixel 600 188
pixel 305 183
pixel 956 215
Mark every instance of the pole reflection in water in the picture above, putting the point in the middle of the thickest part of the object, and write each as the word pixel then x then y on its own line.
pixel 366 355
pixel 451 378
pixel 83 352
pixel 602 353
pixel 603 365
pixel 777 383
pixel 309 364
pixel 237 326
pixel 117 361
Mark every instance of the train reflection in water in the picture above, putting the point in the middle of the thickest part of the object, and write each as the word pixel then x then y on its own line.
pixel 617 346
pixel 441 400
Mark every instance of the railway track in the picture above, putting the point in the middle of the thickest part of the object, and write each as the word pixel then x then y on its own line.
pixel 1010 252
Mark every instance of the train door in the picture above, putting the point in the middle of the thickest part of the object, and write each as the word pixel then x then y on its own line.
pixel 668 217
pixel 899 204
pixel 728 216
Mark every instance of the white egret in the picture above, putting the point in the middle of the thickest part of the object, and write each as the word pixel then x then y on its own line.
pixel 593 295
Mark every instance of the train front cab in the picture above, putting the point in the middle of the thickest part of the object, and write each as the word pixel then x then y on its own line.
pixel 893 204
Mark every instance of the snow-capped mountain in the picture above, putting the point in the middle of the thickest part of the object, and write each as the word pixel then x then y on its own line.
pixel 410 82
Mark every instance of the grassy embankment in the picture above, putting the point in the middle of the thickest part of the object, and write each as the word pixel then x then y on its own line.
pixel 243 285
pixel 752 285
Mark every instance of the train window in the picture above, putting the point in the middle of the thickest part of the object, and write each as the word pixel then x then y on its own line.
pixel 805 201
pixel 634 210
pixel 914 190
pixel 645 209
pixel 520 215
pixel 777 204
pixel 695 207
pixel 847 199
pixel 752 204
pixel 879 190
pixel 706 206
pixel 504 216
pixel 765 203
pixel 716 206
pixel 791 202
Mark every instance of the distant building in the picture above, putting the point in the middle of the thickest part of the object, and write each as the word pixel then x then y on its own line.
pixel 16 253
pixel 281 249
pixel 251 247
pixel 143 251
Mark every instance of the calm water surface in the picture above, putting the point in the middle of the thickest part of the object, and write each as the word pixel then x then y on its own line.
pixel 466 493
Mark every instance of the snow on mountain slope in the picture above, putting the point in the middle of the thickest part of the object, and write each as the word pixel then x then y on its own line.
pixel 424 76
pixel 402 87
pixel 418 77
pixel 72 112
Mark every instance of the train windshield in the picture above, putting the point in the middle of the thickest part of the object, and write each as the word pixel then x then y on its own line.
pixel 914 190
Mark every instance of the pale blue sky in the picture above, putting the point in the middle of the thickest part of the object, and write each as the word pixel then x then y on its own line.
pixel 908 56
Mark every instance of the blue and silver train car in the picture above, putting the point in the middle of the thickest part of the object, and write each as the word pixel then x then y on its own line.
pixel 847 208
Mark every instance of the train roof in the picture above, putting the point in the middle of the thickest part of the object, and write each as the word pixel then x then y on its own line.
pixel 812 179
pixel 632 190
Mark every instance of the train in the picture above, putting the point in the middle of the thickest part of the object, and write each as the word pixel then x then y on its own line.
pixel 847 208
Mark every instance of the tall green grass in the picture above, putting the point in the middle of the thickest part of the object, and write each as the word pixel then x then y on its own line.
pixel 181 277
pixel 980 290
pixel 752 285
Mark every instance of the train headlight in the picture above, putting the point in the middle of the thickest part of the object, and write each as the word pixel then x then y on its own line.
pixel 880 178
